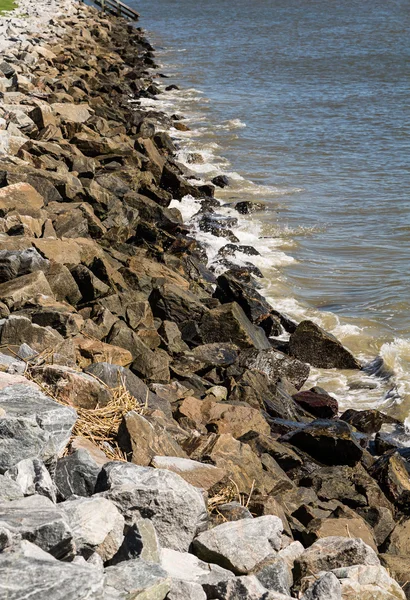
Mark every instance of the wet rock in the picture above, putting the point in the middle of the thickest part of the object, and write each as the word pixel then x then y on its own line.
pixel 312 344
pixel 176 509
pixel 229 323
pixel 367 421
pixel 76 474
pixel 33 478
pixel 96 525
pixel 125 581
pixel 29 571
pixel 198 474
pixel 329 442
pixel 391 473
pixel 240 545
pixel 247 207
pixel 276 365
pixel 37 519
pixel 332 553
pixel 221 181
pixel 34 426
pixel 317 403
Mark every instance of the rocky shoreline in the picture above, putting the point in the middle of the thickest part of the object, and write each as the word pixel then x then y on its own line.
pixel 156 439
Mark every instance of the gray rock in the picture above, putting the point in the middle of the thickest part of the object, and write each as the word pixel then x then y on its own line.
pixel 176 508
pixel 140 541
pixel 183 590
pixel 333 552
pixel 96 525
pixel 34 426
pixel 38 520
pixel 364 581
pixel 276 575
pixel 11 364
pixel 14 263
pixel 33 478
pixel 243 588
pixel 26 572
pixel 112 375
pixel 241 545
pixel 9 489
pixel 136 579
pixel 76 474
pixel 183 566
pixel 327 587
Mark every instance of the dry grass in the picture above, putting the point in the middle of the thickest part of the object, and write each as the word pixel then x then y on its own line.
pixel 229 493
pixel 100 425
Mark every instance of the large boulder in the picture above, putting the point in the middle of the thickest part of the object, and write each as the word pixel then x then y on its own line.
pixel 136 579
pixel 26 570
pixel 312 344
pixel 276 365
pixel 393 477
pixel 198 474
pixel 34 426
pixel 240 545
pixel 329 442
pixel 76 474
pixel 183 566
pixel 176 509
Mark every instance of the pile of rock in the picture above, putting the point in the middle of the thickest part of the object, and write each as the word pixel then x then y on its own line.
pixel 239 481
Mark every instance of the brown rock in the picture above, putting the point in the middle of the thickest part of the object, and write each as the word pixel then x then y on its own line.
pixel 74 113
pixel 342 527
pixel 21 197
pixel 74 387
pixel 399 543
pixel 63 283
pixel 19 330
pixel 199 474
pixel 94 351
pixel 398 568
pixel 19 291
pixel 391 473
pixel 321 405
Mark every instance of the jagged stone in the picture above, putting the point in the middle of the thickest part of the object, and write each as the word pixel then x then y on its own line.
pixel 9 490
pixel 75 388
pixel 128 580
pixel 327 587
pixel 198 474
pixel 176 509
pixel 240 545
pixel 140 541
pixel 76 474
pixel 33 478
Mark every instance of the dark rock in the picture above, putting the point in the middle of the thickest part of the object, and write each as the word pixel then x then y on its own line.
pixel 315 346
pixel 247 207
pixel 89 285
pixel 367 421
pixel 229 323
pixel 275 575
pixel 76 474
pixel 320 405
pixel 286 458
pixel 393 477
pixel 172 303
pixel 329 442
pixel 221 181
pixel 276 366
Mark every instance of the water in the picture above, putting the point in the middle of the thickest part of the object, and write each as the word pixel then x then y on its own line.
pixel 306 104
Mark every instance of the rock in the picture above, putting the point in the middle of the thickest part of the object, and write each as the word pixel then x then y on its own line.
pixel 234 511
pixel 380 520
pixel 74 113
pixel 391 473
pixel 228 323
pixel 276 365
pixel 368 421
pixel 275 575
pixel 21 197
pixel 18 330
pixel 173 303
pixel 114 375
pixel 320 405
pixel 89 285
pixel 332 553
pixel 33 478
pixel 216 355
pixel 246 588
pixel 63 284
pixel 182 566
pixel 76 474
pixel 398 568
pixel 18 292
pixel 399 542
pixel 9 490
pixel 142 439
pixel 136 580
pixel 183 590
pixel 96 525
pixel 37 519
pixel 221 181
pixel 361 581
pixel 240 545
pixel 327 441
pixel 327 587
pixel 247 207
pixel 176 509
pixel 20 262
pixel 198 474
pixel 140 541
pixel 94 351
pixel 342 527
pixel 312 344
pixel 172 338
pixel 286 458
pixel 75 388
pixel 34 426
pixel 40 576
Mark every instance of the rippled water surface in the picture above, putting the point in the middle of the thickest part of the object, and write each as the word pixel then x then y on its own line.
pixel 307 105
